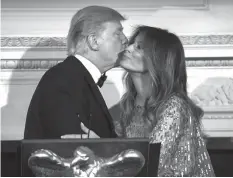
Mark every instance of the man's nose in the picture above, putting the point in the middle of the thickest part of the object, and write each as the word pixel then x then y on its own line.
pixel 125 41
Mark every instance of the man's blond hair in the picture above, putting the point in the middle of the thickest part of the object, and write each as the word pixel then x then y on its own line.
pixel 86 21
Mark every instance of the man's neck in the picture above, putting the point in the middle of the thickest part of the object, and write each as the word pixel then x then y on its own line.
pixel 97 61
pixel 92 69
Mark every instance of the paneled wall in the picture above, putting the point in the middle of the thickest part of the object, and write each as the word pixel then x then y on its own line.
pixel 34 39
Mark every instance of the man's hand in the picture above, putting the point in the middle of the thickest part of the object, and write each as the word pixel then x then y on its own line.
pixel 86 130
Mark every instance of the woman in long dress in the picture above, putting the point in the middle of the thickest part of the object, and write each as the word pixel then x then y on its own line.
pixel 156 104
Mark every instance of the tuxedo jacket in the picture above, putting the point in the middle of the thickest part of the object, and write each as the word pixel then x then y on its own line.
pixel 66 96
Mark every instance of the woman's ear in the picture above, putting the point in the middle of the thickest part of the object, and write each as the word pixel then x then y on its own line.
pixel 92 42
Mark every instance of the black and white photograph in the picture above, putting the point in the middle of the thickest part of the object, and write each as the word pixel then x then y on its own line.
pixel 126 88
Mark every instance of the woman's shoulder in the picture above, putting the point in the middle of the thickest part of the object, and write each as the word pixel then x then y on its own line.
pixel 179 106
pixel 170 114
pixel 174 101
pixel 174 107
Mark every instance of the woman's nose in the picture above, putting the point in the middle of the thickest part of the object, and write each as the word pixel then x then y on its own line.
pixel 129 48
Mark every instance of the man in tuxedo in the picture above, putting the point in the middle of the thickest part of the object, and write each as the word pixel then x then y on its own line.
pixel 67 94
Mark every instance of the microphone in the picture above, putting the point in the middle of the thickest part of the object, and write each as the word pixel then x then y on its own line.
pixel 89 125
pixel 89 118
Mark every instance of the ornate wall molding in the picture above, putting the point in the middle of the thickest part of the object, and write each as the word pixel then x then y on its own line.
pixel 60 5
pixel 60 42
pixel 24 64
pixel 33 42
pixel 203 40
pixel 43 64
pixel 210 63
pixel 218 112
pixel 212 117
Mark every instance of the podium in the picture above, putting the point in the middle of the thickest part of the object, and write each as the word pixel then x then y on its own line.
pixel 109 149
pixel 220 151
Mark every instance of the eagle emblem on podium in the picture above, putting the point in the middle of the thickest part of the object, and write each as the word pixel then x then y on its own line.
pixel 85 163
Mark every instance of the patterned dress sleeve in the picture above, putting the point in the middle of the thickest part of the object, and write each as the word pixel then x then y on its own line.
pixel 175 130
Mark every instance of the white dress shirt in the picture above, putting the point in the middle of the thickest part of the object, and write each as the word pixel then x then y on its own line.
pixel 92 69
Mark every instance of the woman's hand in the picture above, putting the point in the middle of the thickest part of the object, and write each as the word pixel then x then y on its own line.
pixel 80 136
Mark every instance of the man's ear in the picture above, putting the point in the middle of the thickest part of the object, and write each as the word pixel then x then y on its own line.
pixel 92 42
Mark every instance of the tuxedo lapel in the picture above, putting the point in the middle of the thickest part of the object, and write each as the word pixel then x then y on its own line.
pixel 98 96
pixel 96 92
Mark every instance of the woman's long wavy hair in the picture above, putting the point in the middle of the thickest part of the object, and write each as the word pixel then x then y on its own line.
pixel 165 61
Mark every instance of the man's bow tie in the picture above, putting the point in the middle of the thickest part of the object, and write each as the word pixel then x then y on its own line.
pixel 101 80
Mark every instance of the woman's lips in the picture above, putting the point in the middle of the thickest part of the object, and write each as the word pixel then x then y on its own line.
pixel 125 56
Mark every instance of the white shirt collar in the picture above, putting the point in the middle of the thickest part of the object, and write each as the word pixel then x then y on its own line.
pixel 92 69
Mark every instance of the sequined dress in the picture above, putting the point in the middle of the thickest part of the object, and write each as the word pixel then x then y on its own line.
pixel 183 149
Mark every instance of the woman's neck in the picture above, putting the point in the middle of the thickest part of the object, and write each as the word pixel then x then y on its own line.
pixel 143 86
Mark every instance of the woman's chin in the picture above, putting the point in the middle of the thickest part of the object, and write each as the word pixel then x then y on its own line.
pixel 131 70
pixel 129 67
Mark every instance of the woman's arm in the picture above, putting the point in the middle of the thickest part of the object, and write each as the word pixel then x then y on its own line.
pixel 176 134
